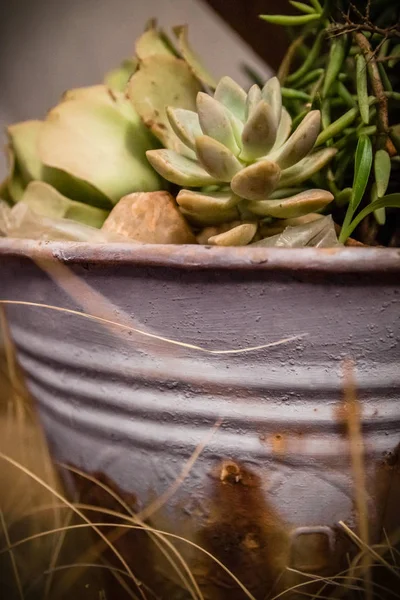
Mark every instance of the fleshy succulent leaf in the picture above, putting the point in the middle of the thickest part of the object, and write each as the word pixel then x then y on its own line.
pixel 14 184
pixel 307 167
pixel 118 78
pixel 216 158
pixel 300 142
pixel 75 188
pixel 23 140
pixel 232 96
pixel 284 129
pixel 285 192
pixel 206 202
pixel 195 64
pixel 317 233
pixel 259 133
pixel 179 169
pixel 185 124
pixel 271 93
pixel 163 81
pixel 152 42
pixel 45 200
pixel 241 235
pixel 254 96
pixel 206 218
pixel 26 166
pixel 215 121
pixel 256 181
pixel 294 206
pixel 101 140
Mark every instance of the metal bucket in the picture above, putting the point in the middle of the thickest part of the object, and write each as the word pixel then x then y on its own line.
pixel 237 353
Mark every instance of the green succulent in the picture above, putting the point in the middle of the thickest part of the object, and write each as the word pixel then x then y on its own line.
pixel 238 160
pixel 79 161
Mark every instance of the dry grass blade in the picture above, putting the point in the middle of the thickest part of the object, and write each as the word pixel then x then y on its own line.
pixel 190 583
pixel 133 526
pixel 369 549
pixel 76 510
pixel 22 439
pixel 163 499
pixel 54 558
pixel 12 556
pixel 353 417
pixel 152 335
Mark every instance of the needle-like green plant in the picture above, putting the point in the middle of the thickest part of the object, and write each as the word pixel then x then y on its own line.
pixel 344 61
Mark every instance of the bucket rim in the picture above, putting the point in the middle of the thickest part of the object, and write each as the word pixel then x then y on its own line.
pixel 196 257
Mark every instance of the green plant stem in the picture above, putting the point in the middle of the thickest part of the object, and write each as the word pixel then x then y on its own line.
pixel 288 58
pixel 312 56
pixel 384 78
pixel 295 94
pixel 309 78
pixel 337 126
pixel 345 94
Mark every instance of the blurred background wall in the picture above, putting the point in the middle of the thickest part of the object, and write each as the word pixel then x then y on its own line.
pixel 48 46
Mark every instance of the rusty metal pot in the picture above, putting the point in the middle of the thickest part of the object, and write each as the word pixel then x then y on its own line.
pixel 236 352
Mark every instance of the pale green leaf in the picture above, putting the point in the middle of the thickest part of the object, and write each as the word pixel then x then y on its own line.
pixel 232 96
pixel 271 93
pixel 307 167
pixel 382 169
pixel 241 235
pixel 215 121
pixel 300 142
pixel 152 42
pixel 295 206
pixel 201 202
pixel 259 133
pixel 192 59
pixel 284 129
pixel 256 181
pixel 101 140
pixel 254 97
pixel 44 200
pixel 178 169
pixel 185 124
pixel 118 78
pixel 163 81
pixel 216 158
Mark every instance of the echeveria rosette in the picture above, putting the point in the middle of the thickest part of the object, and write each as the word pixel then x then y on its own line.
pixel 240 162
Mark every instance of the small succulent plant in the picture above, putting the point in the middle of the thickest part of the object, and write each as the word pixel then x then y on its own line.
pixel 237 160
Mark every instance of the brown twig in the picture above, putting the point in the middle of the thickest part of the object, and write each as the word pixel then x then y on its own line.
pixel 386 58
pixel 379 92
pixel 349 27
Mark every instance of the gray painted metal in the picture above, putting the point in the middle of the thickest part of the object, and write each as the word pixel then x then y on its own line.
pixel 274 477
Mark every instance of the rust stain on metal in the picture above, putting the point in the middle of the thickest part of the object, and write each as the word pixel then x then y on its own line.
pixel 391 460
pixel 245 533
pixel 279 443
pixel 284 442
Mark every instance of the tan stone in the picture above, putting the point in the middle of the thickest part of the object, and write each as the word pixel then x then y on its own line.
pixel 149 217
